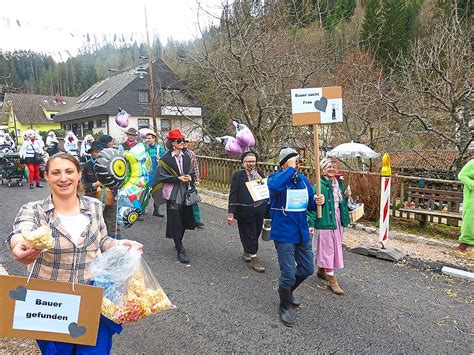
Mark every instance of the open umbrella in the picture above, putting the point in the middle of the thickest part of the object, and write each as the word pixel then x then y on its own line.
pixel 353 150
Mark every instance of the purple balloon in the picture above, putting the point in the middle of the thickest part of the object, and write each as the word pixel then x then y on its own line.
pixel 244 135
pixel 143 132
pixel 122 119
pixel 231 145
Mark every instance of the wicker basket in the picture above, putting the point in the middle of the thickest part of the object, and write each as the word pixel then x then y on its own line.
pixel 356 214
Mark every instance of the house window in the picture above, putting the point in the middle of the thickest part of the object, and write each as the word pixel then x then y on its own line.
pixel 165 125
pixel 143 96
pixel 52 115
pixel 143 123
pixel 100 124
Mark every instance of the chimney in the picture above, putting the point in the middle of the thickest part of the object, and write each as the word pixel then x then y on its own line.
pixel 113 72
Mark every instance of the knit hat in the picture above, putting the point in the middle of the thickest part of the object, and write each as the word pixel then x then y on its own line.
pixel 286 154
pixel 324 163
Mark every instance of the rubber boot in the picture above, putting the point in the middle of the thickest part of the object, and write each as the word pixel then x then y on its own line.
pixel 293 300
pixel 286 316
pixel 334 286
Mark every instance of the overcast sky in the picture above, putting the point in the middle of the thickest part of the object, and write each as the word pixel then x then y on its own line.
pixel 52 26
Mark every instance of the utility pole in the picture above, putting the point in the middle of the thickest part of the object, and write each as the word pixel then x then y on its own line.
pixel 150 73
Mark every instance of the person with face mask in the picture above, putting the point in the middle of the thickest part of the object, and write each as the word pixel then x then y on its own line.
pixel 248 213
pixel 52 144
pixel 335 216
pixel 85 146
pixel 71 145
pixel 31 152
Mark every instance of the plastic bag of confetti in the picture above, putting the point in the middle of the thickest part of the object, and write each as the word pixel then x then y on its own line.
pixel 131 291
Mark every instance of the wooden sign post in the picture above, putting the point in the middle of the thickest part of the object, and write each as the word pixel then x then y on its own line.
pixel 49 310
pixel 315 106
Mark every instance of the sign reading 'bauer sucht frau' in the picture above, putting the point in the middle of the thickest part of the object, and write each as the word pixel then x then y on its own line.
pixel 316 105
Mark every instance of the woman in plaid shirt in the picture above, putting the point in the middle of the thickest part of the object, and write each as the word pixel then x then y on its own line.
pixel 80 235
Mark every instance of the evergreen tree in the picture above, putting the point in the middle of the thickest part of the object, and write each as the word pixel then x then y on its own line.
pixel 370 34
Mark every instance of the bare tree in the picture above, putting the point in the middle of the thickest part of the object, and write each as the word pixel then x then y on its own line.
pixel 253 60
pixel 431 89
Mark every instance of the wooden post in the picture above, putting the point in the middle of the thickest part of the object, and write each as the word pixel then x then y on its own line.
pixel 317 170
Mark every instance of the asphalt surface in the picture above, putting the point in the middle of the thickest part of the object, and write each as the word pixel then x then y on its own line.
pixel 224 306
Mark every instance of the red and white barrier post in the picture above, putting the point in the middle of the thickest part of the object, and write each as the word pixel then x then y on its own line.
pixel 385 199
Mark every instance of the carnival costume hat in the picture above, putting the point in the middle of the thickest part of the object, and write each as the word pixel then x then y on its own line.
pixel 175 134
pixel 131 131
pixel 96 145
pixel 286 154
pixel 148 131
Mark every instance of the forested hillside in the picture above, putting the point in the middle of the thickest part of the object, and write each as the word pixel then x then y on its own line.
pixel 405 67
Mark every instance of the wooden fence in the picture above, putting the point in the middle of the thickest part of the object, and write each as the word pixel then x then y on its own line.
pixel 217 173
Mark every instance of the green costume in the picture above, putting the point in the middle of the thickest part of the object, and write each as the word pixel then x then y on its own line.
pixel 466 175
pixel 327 221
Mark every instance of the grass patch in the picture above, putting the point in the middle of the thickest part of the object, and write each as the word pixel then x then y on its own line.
pixel 410 226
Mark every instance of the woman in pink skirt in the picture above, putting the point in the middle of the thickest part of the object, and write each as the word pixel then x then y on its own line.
pixel 335 216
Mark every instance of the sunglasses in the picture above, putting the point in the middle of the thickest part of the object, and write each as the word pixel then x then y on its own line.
pixel 179 141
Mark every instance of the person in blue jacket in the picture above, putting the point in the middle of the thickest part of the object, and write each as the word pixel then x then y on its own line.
pixel 291 195
pixel 156 151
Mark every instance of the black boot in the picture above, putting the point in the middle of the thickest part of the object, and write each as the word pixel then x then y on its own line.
pixel 285 314
pixel 38 185
pixel 293 300
pixel 182 256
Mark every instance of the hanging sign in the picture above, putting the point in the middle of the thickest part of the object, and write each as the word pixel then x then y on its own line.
pixel 316 105
pixel 49 310
pixel 258 189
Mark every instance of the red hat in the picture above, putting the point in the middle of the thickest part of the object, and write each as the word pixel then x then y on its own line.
pixel 175 134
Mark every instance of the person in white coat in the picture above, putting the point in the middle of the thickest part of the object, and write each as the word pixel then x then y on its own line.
pixel 32 151
pixel 52 144
pixel 70 144
pixel 85 147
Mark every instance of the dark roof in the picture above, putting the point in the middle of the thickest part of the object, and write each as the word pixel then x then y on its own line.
pixel 30 108
pixel 121 90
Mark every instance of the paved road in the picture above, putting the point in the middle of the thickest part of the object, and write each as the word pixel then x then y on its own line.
pixel 223 306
